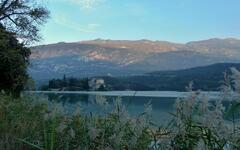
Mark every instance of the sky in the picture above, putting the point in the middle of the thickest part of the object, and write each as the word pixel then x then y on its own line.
pixel 178 21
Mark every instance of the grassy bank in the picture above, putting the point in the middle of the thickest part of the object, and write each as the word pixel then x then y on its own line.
pixel 31 122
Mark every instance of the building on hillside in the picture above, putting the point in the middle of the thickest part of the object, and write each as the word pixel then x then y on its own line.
pixel 96 84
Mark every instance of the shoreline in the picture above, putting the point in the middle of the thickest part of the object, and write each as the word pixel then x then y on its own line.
pixel 171 94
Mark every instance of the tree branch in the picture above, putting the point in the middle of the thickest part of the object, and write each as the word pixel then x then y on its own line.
pixel 3 5
pixel 14 13
pixel 9 6
pixel 12 20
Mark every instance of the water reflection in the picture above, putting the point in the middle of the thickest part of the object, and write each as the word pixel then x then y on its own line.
pixel 161 106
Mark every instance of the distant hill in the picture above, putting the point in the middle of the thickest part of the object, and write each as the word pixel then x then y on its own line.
pixel 208 78
pixel 123 57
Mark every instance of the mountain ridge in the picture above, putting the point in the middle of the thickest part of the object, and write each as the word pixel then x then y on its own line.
pixel 126 57
pixel 148 45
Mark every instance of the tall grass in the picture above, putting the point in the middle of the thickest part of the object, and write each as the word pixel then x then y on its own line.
pixel 31 122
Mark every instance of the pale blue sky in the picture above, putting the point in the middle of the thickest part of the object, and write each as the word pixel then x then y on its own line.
pixel 171 20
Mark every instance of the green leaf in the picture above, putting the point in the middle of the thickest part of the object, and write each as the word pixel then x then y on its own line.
pixel 30 144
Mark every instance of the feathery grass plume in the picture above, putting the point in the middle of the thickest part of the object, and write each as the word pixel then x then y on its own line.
pixel 33 122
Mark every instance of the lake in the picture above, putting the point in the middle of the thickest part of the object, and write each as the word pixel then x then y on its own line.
pixel 162 101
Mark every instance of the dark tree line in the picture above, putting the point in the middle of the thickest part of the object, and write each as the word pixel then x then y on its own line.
pixel 19 25
pixel 68 84
pixel 14 62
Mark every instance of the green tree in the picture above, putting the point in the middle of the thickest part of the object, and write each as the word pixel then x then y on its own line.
pixel 23 18
pixel 64 81
pixel 101 88
pixel 85 84
pixel 19 21
pixel 30 85
pixel 14 62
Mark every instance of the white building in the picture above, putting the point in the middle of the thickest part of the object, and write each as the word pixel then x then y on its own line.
pixel 96 83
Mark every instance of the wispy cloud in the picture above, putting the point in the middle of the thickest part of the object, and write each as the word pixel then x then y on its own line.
pixel 89 28
pixel 87 4
pixel 93 25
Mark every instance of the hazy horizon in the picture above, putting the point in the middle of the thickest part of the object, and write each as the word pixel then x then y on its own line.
pixel 78 41
pixel 173 20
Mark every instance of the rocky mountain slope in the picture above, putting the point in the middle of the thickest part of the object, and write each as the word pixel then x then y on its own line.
pixel 123 57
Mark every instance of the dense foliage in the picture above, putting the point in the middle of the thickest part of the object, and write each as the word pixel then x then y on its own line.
pixel 23 17
pixel 30 122
pixel 67 84
pixel 14 62
pixel 19 21
pixel 207 78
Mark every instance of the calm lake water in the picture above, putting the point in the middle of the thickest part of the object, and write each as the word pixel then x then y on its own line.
pixel 162 102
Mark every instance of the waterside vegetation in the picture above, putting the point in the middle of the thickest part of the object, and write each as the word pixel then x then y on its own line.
pixel 31 122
